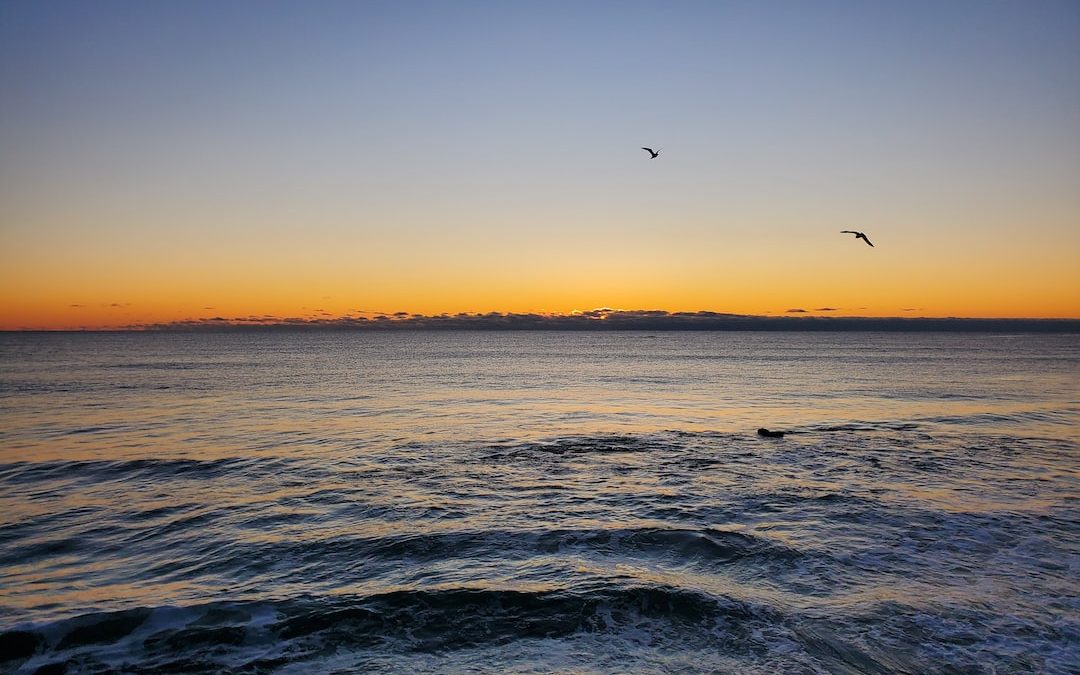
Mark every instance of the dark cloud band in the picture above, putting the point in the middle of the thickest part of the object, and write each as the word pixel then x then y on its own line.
pixel 616 319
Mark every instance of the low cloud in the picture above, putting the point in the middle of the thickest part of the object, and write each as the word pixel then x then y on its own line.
pixel 796 311
pixel 826 309
pixel 605 318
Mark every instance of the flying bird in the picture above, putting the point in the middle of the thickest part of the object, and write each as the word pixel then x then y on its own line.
pixel 654 153
pixel 858 235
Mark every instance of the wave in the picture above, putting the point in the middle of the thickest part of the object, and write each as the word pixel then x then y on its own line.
pixel 1062 416
pixel 859 426
pixel 99 470
pixel 261 635
pixel 599 443
pixel 540 555
pixel 702 547
pixel 491 630
pixel 170 365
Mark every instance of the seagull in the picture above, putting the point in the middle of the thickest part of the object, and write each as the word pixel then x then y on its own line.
pixel 654 153
pixel 858 235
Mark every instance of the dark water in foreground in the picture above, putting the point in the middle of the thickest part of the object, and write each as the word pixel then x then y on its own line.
pixel 538 502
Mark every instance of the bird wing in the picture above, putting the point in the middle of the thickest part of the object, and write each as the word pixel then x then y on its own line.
pixel 647 149
pixel 867 240
pixel 848 232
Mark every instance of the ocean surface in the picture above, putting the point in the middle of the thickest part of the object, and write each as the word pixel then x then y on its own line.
pixel 534 502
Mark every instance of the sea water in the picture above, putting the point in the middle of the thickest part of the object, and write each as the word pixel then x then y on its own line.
pixel 519 502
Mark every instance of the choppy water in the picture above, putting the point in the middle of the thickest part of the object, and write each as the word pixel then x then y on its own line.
pixel 538 502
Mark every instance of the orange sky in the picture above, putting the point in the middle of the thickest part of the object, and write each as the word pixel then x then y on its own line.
pixel 81 286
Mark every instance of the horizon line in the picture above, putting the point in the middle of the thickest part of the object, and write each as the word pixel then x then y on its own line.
pixel 601 319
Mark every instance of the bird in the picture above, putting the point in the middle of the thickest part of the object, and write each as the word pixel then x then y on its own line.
pixel 654 153
pixel 858 235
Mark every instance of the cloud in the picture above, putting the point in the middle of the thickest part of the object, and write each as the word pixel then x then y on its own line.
pixel 606 318
pixel 77 306
pixel 796 311
pixel 826 309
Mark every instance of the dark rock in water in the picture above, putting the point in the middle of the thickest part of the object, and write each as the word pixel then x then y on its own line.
pixel 770 434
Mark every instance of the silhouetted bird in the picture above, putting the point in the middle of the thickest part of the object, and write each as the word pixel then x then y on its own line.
pixel 654 153
pixel 858 235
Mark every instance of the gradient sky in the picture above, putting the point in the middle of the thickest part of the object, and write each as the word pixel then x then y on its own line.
pixel 164 161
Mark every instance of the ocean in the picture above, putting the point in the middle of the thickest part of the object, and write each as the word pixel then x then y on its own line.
pixel 535 502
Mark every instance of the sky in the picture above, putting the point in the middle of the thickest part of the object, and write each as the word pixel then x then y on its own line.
pixel 179 161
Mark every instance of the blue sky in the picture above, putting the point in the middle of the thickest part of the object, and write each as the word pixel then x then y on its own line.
pixel 417 134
